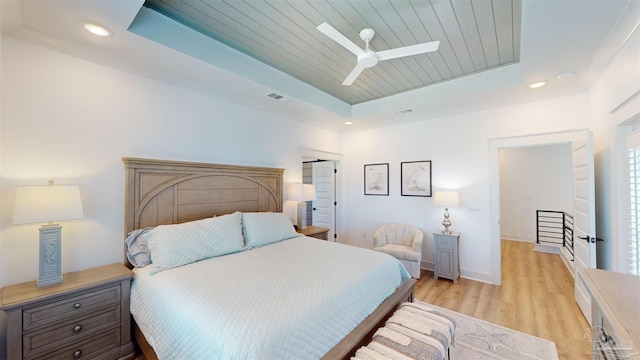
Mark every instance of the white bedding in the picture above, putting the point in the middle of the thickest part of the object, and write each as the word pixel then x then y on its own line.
pixel 294 299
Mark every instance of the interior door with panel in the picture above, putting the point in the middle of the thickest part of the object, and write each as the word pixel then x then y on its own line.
pixel 584 216
pixel 323 174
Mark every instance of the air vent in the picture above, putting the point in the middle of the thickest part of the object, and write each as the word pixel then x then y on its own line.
pixel 276 96
pixel 404 111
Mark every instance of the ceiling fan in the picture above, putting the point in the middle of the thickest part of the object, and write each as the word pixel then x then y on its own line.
pixel 368 58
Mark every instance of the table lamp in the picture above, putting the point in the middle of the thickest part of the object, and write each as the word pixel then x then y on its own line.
pixel 38 204
pixel 302 193
pixel 446 199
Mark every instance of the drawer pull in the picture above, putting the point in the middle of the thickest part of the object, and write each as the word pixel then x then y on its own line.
pixel 77 305
pixel 77 354
pixel 77 328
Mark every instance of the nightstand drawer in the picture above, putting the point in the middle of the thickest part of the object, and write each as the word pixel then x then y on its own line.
pixel 101 346
pixel 315 232
pixel 69 307
pixel 56 336
pixel 321 236
pixel 446 242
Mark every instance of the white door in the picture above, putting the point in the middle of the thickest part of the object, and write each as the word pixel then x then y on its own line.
pixel 323 174
pixel 584 217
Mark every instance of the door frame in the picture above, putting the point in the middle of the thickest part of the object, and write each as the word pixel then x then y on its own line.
pixel 494 164
pixel 307 154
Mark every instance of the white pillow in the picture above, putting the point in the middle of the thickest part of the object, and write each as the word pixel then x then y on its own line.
pixel 262 228
pixel 181 244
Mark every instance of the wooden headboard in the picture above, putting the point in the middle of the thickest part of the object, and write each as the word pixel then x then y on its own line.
pixel 160 192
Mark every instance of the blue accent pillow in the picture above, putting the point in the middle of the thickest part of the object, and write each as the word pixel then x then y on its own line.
pixel 181 244
pixel 262 228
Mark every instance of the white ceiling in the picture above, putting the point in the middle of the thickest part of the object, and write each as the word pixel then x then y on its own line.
pixel 555 37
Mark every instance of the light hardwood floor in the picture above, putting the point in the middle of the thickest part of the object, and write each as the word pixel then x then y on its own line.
pixel 536 297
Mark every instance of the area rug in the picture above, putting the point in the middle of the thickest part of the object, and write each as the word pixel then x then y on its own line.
pixel 477 339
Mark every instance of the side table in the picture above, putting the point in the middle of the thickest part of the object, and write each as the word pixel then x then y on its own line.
pixel 315 232
pixel 447 264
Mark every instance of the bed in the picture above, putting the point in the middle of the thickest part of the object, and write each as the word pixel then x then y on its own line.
pixel 274 295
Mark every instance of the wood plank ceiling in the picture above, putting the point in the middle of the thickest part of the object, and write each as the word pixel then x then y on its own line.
pixel 474 35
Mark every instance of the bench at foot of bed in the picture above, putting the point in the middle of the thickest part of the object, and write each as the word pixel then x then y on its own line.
pixel 415 331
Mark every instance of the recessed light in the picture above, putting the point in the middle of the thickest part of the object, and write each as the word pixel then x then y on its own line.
pixel 96 29
pixel 348 123
pixel 537 84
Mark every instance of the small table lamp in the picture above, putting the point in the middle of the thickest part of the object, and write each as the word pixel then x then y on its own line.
pixel 302 193
pixel 446 199
pixel 38 204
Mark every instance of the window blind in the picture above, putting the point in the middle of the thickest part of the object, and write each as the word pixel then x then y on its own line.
pixel 633 146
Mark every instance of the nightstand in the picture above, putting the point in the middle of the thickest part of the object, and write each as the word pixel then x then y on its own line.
pixel 85 317
pixel 315 232
pixel 447 264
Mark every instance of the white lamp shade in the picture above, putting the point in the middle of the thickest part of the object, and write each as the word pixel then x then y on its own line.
pixel 447 199
pixel 37 204
pixel 302 192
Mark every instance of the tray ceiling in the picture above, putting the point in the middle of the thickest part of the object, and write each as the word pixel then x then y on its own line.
pixel 474 35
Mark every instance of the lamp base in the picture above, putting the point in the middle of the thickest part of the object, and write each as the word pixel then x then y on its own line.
pixel 446 222
pixel 301 217
pixel 50 272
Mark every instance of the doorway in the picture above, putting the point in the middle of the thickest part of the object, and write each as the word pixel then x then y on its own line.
pixel 323 170
pixel 533 178
pixel 495 145
pixel 535 183
pixel 321 211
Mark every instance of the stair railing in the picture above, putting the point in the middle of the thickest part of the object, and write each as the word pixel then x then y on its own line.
pixel 555 227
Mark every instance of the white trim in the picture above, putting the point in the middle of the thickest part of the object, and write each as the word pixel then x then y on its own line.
pixel 618 252
pixel 494 165
pixel 318 154
pixel 305 154
pixel 566 259
pixel 632 202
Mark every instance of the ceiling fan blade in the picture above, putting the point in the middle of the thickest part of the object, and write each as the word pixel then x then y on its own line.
pixel 339 38
pixel 408 50
pixel 353 75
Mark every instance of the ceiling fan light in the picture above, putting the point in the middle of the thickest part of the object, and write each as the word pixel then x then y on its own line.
pixel 368 59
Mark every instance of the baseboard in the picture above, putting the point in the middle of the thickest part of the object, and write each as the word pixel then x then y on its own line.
pixel 427 265
pixel 476 276
pixel 551 249
pixel 464 273
pixel 566 259
pixel 516 238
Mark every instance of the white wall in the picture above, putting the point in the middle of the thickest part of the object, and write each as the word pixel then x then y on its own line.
pixel 1 176
pixel 533 178
pixel 459 149
pixel 614 100
pixel 72 121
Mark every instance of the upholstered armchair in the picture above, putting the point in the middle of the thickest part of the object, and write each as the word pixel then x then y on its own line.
pixel 404 242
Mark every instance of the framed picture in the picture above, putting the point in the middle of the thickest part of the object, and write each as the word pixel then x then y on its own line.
pixel 416 178
pixel 376 179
